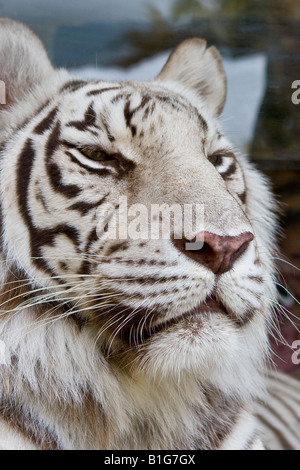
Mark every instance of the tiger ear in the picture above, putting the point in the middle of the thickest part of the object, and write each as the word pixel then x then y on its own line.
pixel 23 62
pixel 199 69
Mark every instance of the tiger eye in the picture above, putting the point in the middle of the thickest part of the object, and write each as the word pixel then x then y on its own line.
pixel 215 159
pixel 96 155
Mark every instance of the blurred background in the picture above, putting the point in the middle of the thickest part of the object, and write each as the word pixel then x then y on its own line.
pixel 260 44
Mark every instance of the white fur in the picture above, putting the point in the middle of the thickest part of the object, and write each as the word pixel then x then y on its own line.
pixel 169 374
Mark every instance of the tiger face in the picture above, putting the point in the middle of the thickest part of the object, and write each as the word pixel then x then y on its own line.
pixel 73 151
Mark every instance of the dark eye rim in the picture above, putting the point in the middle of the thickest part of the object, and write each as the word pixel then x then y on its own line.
pixel 114 160
pixel 85 148
pixel 216 158
pixel 107 157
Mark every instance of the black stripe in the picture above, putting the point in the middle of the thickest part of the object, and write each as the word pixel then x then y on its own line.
pixel 30 118
pixel 101 90
pixel 24 170
pixel 46 123
pixel 73 85
pixel 99 171
pixel 243 196
pixel 110 137
pixel 86 264
pixel 38 237
pixel 125 164
pixel 53 170
pixel 117 247
pixel 84 207
pixel 118 97
pixel 230 171
pixel 89 120
pixel 23 177
pixel 55 177
pixel 53 141
pixel 128 115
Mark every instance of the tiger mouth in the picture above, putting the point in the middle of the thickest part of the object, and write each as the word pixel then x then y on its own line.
pixel 135 330
pixel 210 305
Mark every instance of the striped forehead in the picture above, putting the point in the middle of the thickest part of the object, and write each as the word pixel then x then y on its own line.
pixel 119 103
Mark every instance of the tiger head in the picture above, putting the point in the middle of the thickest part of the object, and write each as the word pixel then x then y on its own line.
pixel 86 164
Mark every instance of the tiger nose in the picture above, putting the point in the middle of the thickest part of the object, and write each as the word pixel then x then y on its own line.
pixel 216 252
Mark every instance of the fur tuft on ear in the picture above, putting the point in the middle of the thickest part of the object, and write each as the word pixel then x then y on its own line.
pixel 199 69
pixel 23 61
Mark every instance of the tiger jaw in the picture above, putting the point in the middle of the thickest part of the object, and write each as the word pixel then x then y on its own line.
pixel 136 326
pixel 195 316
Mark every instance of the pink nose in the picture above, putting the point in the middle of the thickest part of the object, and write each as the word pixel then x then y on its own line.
pixel 217 253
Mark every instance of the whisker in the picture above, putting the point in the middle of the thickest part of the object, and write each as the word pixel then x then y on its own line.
pixel 287 262
pixel 284 288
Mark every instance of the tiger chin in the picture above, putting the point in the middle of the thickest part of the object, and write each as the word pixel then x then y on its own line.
pixel 127 343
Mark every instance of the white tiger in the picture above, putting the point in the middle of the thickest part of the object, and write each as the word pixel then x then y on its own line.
pixel 124 343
